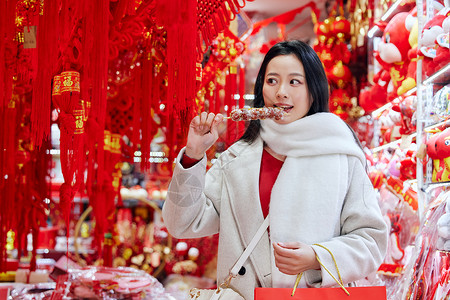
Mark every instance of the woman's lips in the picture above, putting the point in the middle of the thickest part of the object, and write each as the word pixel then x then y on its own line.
pixel 286 108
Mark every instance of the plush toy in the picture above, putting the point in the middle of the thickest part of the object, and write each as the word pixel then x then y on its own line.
pixel 438 149
pixel 392 52
pixel 412 25
pixel 406 106
pixel 442 57
pixel 371 98
pixel 441 109
pixel 390 125
pixel 408 166
pixel 401 220
pixel 443 227
pixel 432 29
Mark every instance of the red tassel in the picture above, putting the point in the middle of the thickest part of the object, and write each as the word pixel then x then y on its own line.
pixel 107 250
pixel 99 68
pixel 214 18
pixel 135 138
pixel 232 86
pixel 146 118
pixel 7 180
pixel 241 125
pixel 3 41
pixel 179 18
pixel 230 102
pixel 217 98
pixel 47 47
pixel 66 96
pixel 7 128
pixel 97 16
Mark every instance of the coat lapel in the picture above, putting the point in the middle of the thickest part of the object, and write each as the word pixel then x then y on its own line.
pixel 242 183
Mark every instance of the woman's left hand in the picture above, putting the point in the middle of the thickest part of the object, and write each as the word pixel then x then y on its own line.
pixel 294 257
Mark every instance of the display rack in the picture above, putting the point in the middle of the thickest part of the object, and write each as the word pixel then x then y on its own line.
pixel 424 123
pixel 425 95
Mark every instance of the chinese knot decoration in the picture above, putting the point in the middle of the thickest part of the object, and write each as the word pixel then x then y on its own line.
pixel 73 113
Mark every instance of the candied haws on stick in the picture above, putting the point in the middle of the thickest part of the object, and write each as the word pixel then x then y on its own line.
pixel 257 113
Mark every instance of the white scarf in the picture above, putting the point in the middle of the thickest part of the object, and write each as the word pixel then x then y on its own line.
pixel 312 182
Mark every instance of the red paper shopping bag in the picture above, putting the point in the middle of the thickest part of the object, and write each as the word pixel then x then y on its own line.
pixel 355 293
pixel 338 293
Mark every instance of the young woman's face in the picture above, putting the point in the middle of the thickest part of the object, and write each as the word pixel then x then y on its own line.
pixel 285 87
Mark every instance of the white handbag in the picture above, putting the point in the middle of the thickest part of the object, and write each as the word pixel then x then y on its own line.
pixel 207 294
pixel 223 291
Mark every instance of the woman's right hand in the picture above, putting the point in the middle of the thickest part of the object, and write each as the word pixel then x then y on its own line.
pixel 203 133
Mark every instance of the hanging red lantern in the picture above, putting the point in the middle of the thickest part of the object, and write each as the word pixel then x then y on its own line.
pixel 340 75
pixel 340 103
pixel 326 55
pixel 323 30
pixel 340 28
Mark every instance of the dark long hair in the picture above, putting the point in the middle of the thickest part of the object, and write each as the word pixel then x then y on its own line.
pixel 316 80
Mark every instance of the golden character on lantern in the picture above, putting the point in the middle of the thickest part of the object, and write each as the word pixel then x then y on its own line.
pixel 79 123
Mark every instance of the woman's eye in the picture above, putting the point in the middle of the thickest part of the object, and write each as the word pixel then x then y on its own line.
pixel 295 81
pixel 271 81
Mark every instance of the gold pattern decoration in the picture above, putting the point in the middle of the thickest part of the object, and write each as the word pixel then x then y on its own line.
pixel 70 81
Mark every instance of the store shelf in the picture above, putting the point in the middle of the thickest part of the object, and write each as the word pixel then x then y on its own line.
pixel 377 113
pixel 441 76
pixel 386 16
pixel 438 76
pixel 131 203
pixel 408 138
pixel 434 185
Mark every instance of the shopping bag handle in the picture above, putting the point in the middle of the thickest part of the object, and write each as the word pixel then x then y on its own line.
pixel 340 282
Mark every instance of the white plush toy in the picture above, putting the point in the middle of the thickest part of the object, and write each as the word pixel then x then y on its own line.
pixel 443 226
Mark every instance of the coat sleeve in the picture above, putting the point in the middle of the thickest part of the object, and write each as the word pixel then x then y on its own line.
pixel 362 244
pixel 190 210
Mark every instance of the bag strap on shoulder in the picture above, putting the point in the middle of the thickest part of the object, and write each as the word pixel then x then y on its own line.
pixel 241 260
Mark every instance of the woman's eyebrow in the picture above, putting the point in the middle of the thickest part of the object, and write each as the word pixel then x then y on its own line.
pixel 292 74
pixel 297 74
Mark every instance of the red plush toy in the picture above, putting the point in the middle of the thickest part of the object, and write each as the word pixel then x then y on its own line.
pixel 392 52
pixel 433 29
pixel 438 149
pixel 393 57
pixel 373 97
pixel 443 50
pixel 406 106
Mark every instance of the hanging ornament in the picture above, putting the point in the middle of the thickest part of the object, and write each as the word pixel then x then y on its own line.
pixel 340 103
pixel 340 75
pixel 73 114
pixel 47 55
pixel 340 28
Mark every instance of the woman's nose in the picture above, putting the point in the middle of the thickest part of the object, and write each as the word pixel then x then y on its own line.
pixel 281 92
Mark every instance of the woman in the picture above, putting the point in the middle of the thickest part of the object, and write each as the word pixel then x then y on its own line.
pixel 308 166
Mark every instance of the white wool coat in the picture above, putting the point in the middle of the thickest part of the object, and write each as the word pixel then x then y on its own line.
pixel 225 200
